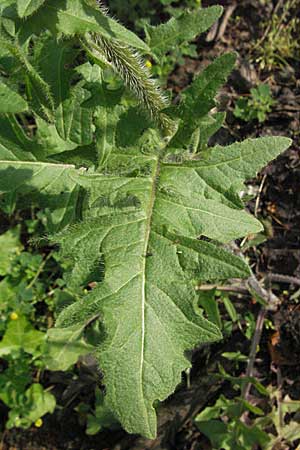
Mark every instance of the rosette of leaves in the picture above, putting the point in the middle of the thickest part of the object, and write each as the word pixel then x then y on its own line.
pixel 129 185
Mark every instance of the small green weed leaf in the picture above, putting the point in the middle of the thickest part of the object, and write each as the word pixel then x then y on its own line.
pixel 218 434
pixel 39 402
pixel 242 381
pixel 28 7
pixel 251 436
pixel 254 409
pixel 208 302
pixel 214 412
pixel 164 37
pixel 64 347
pixel 236 435
pixel 235 356
pixel 10 246
pixel 230 308
pixel 20 335
pixel 7 295
pixel 256 106
pixel 6 3
pixel 231 433
pixel 101 418
pixel 10 27
pixel 11 101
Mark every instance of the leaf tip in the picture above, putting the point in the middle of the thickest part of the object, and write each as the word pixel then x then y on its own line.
pixel 219 10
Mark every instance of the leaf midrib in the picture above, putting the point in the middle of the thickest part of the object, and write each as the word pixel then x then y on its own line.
pixel 192 164
pixel 36 163
pixel 172 37
pixel 149 215
pixel 26 7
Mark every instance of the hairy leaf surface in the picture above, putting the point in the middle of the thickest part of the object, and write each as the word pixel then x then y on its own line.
pixel 51 185
pixel 66 345
pixel 144 231
pixel 70 17
pixel 199 98
pixel 162 38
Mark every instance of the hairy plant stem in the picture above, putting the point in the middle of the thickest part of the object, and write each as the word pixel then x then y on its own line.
pixel 41 87
pixel 129 65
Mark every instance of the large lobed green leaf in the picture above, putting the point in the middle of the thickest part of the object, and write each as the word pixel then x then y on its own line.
pixel 138 240
pixel 144 230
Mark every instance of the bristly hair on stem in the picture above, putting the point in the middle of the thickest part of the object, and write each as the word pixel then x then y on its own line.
pixel 102 7
pixel 129 65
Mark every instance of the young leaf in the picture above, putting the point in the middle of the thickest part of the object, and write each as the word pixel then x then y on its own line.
pixel 102 417
pixel 208 126
pixel 5 3
pixel 209 303
pixel 164 37
pixel 10 101
pixel 20 335
pixel 39 402
pixel 28 7
pixel 73 121
pixel 50 141
pixel 64 347
pixel 199 98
